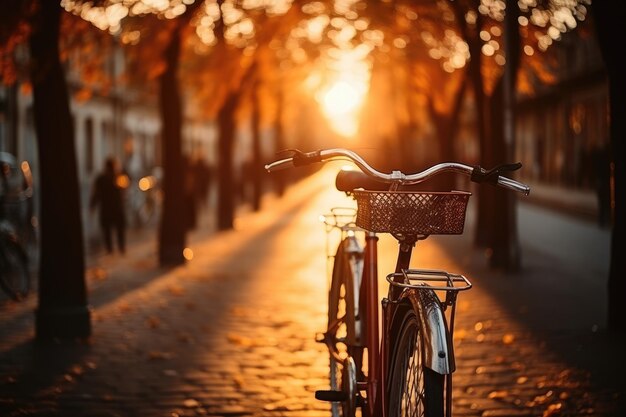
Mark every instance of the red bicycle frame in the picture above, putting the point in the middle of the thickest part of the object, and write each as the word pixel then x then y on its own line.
pixel 375 404
pixel 374 383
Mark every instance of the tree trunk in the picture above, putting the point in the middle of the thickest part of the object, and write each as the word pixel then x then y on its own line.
pixel 505 251
pixel 226 189
pixel 407 162
pixel 610 18
pixel 279 177
pixel 485 199
pixel 446 125
pixel 62 310
pixel 172 228
pixel 255 169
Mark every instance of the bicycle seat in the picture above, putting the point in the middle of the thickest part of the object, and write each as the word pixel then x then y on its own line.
pixel 348 181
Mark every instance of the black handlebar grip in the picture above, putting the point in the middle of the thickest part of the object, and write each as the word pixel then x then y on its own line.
pixel 347 181
pixel 302 158
pixel 481 175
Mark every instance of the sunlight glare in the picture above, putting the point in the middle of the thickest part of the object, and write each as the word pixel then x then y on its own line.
pixel 341 89
pixel 340 103
pixel 341 98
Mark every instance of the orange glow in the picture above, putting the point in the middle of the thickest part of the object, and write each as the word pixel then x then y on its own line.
pixel 146 183
pixel 122 181
pixel 341 102
pixel 340 98
pixel 188 254
pixel 341 88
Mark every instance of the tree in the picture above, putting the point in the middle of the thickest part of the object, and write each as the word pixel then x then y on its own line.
pixel 495 37
pixel 173 228
pixel 471 23
pixel 257 158
pixel 62 309
pixel 158 60
pixel 505 252
pixel 231 69
pixel 610 18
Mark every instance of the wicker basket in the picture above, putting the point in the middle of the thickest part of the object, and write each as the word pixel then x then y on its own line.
pixel 411 213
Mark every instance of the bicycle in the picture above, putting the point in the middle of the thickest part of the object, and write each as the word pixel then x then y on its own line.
pixel 403 365
pixel 14 272
pixel 17 232
pixel 144 200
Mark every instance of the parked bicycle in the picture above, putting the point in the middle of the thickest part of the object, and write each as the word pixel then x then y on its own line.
pixel 403 365
pixel 14 271
pixel 16 228
pixel 145 200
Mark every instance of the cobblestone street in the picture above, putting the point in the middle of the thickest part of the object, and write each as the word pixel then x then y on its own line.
pixel 232 332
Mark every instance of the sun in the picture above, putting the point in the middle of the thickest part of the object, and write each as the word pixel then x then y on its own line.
pixel 340 85
pixel 340 99
pixel 341 102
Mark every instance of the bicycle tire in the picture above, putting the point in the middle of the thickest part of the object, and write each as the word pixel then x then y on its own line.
pixel 344 326
pixel 414 389
pixel 146 211
pixel 14 273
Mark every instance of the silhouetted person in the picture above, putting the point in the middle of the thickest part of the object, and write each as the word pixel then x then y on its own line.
pixel 602 166
pixel 202 179
pixel 107 196
pixel 189 194
pixel 5 171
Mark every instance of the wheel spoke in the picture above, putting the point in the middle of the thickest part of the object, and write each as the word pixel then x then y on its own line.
pixel 413 385
pixel 414 391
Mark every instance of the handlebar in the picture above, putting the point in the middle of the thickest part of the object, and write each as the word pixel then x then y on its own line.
pixel 476 173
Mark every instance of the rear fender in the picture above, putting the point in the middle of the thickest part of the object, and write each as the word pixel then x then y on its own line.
pixel 438 349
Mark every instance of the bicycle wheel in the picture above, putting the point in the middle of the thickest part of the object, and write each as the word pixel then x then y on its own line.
pixel 14 274
pixel 344 325
pixel 414 390
pixel 145 212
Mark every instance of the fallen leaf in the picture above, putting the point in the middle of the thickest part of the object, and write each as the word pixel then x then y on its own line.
pixel 96 273
pixel 157 355
pixel 239 340
pixel 176 290
pixel 239 381
pixel 153 322
pixel 498 394
pixel 553 410
pixel 191 403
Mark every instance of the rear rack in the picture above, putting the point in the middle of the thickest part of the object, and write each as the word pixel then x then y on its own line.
pixel 342 218
pixel 423 279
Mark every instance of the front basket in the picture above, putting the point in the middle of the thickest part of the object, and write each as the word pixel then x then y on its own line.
pixel 411 213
